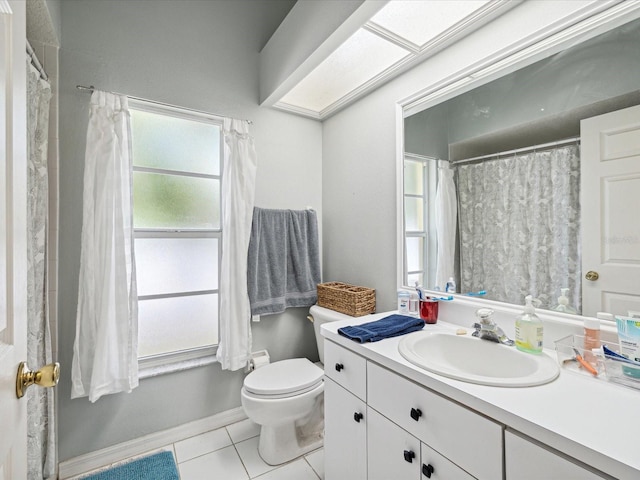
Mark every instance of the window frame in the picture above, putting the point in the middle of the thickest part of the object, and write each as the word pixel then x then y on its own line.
pixel 429 248
pixel 152 365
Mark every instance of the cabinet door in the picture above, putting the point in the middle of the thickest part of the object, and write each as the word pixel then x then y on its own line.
pixel 437 467
pixel 394 454
pixel 528 461
pixel 471 441
pixel 345 434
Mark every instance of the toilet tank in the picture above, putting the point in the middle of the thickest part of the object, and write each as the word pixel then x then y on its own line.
pixel 320 315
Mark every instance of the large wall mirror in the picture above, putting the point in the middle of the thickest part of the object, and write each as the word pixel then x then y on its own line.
pixel 509 157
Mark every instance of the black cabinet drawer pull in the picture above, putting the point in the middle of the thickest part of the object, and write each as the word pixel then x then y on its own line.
pixel 409 456
pixel 358 416
pixel 416 413
pixel 427 470
pixel 339 367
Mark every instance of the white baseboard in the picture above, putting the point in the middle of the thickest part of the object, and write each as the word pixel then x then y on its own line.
pixel 116 453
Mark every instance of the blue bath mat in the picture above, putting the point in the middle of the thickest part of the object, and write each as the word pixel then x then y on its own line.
pixel 160 466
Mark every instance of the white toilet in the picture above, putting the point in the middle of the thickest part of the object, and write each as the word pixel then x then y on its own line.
pixel 286 399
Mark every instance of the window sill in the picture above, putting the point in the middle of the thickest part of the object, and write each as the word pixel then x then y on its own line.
pixel 161 365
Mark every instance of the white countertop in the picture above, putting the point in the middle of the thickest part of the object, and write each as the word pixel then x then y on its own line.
pixel 590 419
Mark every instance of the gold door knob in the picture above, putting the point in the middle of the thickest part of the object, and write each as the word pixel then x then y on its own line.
pixel 47 376
pixel 592 276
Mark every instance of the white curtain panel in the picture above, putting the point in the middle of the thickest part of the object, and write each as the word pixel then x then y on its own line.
pixel 105 351
pixel 520 226
pixel 41 450
pixel 446 207
pixel 238 193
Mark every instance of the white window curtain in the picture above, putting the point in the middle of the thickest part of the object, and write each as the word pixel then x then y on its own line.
pixel 445 216
pixel 105 353
pixel 238 193
pixel 41 452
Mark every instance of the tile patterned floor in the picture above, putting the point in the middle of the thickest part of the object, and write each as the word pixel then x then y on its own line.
pixel 231 453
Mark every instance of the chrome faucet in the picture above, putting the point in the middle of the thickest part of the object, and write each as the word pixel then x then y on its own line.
pixel 487 329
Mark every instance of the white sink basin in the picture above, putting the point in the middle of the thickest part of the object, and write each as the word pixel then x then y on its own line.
pixel 479 361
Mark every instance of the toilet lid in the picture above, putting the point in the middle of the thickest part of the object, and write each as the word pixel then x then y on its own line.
pixel 285 376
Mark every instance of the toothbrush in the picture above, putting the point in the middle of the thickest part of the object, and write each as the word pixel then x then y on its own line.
pixel 477 294
pixel 445 299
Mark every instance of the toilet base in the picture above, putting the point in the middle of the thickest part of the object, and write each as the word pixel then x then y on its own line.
pixel 280 444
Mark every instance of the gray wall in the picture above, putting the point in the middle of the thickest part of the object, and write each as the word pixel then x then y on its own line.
pixel 200 55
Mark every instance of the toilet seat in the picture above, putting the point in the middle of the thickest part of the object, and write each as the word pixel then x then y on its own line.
pixel 285 378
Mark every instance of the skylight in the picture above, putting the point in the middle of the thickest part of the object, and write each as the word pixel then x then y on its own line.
pixel 422 21
pixel 402 32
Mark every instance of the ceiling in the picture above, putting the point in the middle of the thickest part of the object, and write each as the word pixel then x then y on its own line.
pixel 401 34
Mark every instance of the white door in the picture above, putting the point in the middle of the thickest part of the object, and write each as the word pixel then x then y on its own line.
pixel 13 256
pixel 610 205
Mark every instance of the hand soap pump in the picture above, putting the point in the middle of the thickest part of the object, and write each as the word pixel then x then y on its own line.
pixel 563 303
pixel 529 329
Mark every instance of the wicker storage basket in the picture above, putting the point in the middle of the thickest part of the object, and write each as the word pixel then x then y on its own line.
pixel 348 299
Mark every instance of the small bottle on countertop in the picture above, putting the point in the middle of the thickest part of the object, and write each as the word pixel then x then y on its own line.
pixel 403 302
pixel 592 335
pixel 414 304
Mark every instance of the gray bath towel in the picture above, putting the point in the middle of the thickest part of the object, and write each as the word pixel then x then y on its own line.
pixel 283 261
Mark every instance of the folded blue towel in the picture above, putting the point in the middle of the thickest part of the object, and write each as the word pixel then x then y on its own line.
pixel 388 327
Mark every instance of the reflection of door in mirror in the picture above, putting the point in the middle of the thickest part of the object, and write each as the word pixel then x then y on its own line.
pixel 610 201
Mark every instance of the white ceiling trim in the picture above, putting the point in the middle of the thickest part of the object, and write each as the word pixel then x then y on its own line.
pixel 392 37
pixel 589 22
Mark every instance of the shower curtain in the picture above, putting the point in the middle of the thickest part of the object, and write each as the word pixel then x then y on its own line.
pixel 41 420
pixel 519 224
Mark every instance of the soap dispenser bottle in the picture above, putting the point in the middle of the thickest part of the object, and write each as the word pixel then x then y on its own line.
pixel 563 303
pixel 529 329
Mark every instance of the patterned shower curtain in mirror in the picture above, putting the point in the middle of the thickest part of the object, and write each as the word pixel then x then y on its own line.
pixel 519 226
pixel 41 427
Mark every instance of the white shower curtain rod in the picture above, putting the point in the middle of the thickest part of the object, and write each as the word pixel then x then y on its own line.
pixel 35 62
pixel 92 88
pixel 543 146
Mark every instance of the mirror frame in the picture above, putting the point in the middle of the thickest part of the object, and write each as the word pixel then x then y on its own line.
pixel 499 64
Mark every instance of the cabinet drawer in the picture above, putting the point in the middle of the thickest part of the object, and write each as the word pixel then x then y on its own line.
pixel 346 368
pixel 527 461
pixel 440 467
pixel 471 441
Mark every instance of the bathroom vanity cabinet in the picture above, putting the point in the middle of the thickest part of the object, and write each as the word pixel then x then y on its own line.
pixel 380 425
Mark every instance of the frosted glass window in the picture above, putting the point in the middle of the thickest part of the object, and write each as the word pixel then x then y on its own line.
pixel 175 324
pixel 172 143
pixel 414 214
pixel 175 201
pixel 415 253
pixel 176 215
pixel 413 178
pixel 174 265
